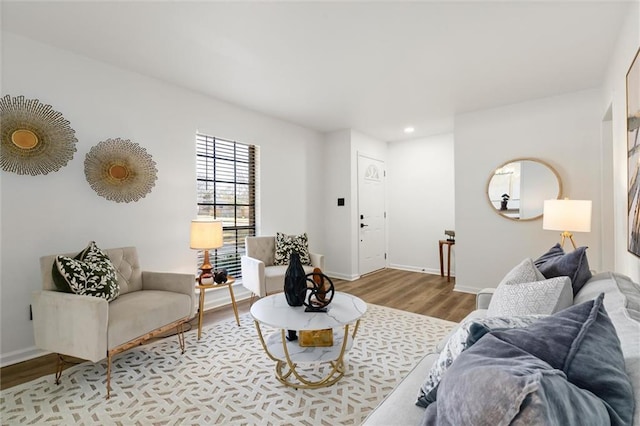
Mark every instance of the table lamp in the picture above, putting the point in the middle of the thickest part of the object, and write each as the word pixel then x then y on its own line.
pixel 567 215
pixel 206 234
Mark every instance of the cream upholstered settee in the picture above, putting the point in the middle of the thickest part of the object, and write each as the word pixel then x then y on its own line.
pixel 259 274
pixel 88 327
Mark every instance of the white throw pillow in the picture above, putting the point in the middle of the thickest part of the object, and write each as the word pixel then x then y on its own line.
pixel 544 297
pixel 524 272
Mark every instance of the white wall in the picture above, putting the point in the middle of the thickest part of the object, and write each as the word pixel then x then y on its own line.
pixel 614 96
pixel 563 131
pixel 337 181
pixel 60 212
pixel 341 181
pixel 420 182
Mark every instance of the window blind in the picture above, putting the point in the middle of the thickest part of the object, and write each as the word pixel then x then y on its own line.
pixel 226 190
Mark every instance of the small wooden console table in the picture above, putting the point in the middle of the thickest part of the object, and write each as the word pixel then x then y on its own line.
pixel 448 244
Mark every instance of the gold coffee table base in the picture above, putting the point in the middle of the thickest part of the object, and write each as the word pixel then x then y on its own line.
pixel 287 371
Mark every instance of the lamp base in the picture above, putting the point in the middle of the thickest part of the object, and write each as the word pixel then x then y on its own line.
pixel 569 235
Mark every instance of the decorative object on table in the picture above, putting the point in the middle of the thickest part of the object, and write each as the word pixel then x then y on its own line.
pixel 320 292
pixel 36 139
pixel 504 202
pixel 633 154
pixel 567 215
pixel 450 234
pixel 206 234
pixel 295 281
pixel 120 170
pixel 220 276
pixel 316 338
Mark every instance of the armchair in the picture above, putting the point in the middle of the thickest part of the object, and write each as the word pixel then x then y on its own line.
pixel 87 327
pixel 259 275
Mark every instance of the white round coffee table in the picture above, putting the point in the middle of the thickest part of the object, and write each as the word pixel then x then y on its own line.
pixel 343 311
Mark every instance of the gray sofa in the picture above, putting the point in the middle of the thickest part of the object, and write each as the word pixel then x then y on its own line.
pixel 90 328
pixel 621 301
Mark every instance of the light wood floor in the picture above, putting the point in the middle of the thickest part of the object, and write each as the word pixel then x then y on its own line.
pixel 409 291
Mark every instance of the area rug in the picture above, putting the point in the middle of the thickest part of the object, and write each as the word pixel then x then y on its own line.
pixel 226 378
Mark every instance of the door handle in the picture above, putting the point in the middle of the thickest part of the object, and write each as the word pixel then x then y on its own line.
pixel 362 225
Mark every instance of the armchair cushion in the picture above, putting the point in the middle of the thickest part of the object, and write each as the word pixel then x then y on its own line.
pixel 91 275
pixel 286 244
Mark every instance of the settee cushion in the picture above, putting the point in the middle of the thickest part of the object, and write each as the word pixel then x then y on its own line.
pixel 557 263
pixel 460 341
pixel 90 273
pixel 544 297
pixel 286 244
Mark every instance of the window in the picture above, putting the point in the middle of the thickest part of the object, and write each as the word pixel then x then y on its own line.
pixel 226 182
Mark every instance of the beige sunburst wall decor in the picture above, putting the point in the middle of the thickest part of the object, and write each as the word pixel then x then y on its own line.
pixel 36 139
pixel 120 170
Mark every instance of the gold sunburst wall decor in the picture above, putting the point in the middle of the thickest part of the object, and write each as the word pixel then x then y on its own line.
pixel 120 170
pixel 36 139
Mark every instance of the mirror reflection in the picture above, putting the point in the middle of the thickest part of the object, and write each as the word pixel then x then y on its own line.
pixel 517 189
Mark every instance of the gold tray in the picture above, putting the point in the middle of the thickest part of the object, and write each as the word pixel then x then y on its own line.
pixel 316 337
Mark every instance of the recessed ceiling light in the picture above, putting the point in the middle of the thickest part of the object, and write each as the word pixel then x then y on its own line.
pixel 409 129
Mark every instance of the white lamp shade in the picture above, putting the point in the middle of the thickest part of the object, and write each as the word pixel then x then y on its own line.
pixel 567 215
pixel 206 234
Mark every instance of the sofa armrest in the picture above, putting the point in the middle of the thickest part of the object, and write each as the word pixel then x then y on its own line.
pixel 317 260
pixel 253 278
pixel 484 297
pixel 70 324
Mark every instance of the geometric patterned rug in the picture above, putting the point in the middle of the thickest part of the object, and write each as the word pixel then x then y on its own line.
pixel 226 378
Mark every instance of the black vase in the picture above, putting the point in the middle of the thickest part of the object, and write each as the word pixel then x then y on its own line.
pixel 295 281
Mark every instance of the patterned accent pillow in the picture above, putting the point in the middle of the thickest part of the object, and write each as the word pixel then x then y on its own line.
pixel 544 297
pixel 285 244
pixel 91 275
pixel 524 272
pixel 458 343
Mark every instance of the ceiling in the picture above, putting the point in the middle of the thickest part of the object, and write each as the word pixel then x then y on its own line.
pixel 375 67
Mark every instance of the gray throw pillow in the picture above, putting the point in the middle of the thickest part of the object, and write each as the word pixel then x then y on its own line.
pixel 557 263
pixel 496 383
pixel 582 342
pixel 524 272
pixel 459 342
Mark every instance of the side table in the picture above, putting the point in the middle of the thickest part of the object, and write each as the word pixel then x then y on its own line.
pixel 203 288
pixel 448 244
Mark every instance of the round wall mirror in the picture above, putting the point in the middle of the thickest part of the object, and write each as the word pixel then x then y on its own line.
pixel 517 189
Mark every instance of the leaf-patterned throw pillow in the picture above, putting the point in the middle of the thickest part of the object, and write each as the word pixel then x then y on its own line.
pixel 92 274
pixel 285 244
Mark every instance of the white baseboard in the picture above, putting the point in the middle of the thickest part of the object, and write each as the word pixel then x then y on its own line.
pixel 21 355
pixel 463 289
pixel 410 268
pixel 342 276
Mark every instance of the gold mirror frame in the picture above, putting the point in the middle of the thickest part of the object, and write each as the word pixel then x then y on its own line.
pixel 506 214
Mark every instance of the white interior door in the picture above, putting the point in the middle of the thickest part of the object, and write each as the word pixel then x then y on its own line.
pixel 371 202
